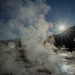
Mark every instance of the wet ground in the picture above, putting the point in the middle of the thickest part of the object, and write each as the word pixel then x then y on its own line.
pixel 68 62
pixel 67 67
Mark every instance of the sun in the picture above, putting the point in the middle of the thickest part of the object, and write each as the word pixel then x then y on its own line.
pixel 62 27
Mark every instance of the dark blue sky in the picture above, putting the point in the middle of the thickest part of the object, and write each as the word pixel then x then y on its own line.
pixel 61 10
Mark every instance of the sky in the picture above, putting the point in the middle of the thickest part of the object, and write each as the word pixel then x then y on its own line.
pixel 55 12
pixel 62 9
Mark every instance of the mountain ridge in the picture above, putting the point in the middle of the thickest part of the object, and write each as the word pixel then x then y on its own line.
pixel 66 38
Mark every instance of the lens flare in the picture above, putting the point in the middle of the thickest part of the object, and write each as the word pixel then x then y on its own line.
pixel 12 46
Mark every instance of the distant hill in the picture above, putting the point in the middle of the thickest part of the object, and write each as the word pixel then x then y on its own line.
pixel 66 38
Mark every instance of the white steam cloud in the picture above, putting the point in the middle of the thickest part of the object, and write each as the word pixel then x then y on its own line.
pixel 27 18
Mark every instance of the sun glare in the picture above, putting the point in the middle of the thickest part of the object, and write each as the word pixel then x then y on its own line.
pixel 61 27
